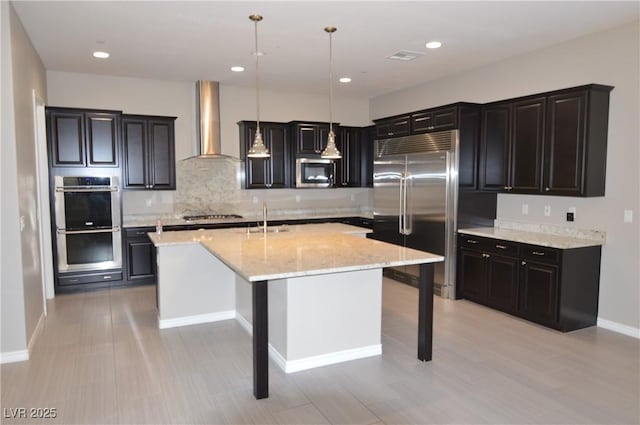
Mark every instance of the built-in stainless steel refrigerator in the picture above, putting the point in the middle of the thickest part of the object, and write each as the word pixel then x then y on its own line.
pixel 416 200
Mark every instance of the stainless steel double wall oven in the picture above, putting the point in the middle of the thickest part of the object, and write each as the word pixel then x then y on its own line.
pixel 87 228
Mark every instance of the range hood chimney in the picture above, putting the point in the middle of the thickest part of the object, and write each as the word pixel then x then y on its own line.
pixel 208 120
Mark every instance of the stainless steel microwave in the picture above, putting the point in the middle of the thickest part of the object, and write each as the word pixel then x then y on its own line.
pixel 312 172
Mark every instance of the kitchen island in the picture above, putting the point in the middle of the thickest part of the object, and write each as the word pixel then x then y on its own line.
pixel 321 286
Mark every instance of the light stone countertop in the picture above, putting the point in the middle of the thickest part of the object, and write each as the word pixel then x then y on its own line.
pixel 304 250
pixel 533 238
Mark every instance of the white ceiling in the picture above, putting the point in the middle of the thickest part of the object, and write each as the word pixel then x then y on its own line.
pixel 180 40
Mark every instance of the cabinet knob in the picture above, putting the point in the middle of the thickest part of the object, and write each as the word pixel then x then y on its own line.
pixel 546 189
pixel 485 255
pixel 471 241
pixel 524 263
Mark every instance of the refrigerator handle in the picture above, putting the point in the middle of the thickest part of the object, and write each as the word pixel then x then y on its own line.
pixel 406 220
pixel 401 210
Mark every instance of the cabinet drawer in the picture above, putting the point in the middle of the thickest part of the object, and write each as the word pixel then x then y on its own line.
pixel 89 278
pixel 138 232
pixel 502 247
pixel 538 253
pixel 473 242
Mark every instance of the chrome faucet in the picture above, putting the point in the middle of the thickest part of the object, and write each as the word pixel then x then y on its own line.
pixel 264 217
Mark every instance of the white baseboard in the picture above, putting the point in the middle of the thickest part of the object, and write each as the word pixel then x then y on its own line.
pixel 244 323
pixel 290 366
pixel 618 327
pixel 36 332
pixel 196 319
pixel 14 356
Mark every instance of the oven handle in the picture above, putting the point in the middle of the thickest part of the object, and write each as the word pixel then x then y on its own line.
pixel 78 232
pixel 87 189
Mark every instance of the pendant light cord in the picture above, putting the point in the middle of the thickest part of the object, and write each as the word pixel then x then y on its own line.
pixel 257 79
pixel 330 83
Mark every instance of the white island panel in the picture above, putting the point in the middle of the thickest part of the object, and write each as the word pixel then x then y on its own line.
pixel 193 287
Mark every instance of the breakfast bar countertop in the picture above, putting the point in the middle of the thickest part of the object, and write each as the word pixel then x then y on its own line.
pixel 300 250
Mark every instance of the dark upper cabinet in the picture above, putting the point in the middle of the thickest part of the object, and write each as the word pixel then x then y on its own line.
pixel 83 138
pixel 527 138
pixel 368 154
pixel 468 121
pixel 439 119
pixel 494 147
pixel 310 138
pixel 576 141
pixel 553 287
pixel 273 172
pixel 348 168
pixel 149 152
pixel 553 143
pixel 393 127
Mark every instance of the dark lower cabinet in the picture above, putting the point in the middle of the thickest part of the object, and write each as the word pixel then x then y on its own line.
pixel 539 297
pixel 140 256
pixel 557 288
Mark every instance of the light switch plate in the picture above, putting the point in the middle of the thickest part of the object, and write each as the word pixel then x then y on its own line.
pixel 628 216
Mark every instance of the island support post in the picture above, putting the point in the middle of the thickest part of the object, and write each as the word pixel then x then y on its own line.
pixel 260 339
pixel 425 312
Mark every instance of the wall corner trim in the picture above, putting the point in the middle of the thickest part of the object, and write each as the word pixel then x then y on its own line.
pixel 14 356
pixel 619 328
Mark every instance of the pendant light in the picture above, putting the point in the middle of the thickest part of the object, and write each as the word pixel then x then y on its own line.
pixel 331 151
pixel 258 149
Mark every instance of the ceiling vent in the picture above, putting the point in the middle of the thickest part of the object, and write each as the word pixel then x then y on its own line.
pixel 404 55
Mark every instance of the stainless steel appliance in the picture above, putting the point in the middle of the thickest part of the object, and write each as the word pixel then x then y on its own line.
pixel 87 220
pixel 314 172
pixel 418 203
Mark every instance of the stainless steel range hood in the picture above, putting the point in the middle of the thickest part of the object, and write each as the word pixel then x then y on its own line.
pixel 208 120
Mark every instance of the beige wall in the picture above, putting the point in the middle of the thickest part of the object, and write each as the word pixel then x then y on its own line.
pixel 612 58
pixel 22 73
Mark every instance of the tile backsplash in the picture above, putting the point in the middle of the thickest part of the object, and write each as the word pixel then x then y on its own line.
pixel 215 185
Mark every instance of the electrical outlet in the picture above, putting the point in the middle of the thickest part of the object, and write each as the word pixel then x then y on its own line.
pixel 628 216
pixel 254 200
pixel 297 198
pixel 22 223
pixel 547 210
pixel 353 197
pixel 525 209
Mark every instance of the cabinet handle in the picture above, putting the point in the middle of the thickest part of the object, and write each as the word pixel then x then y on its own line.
pixel 538 253
pixel 486 255
pixel 141 233
pixel 106 277
pixel 472 241
pixel 401 122
pixel 501 246
pixel 546 189
pixel 430 127
pixel 524 263
pixel 420 119
pixel 390 133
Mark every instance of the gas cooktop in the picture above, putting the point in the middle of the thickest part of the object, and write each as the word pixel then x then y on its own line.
pixel 210 217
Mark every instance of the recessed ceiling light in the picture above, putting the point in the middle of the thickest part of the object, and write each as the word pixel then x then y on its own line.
pixel 237 68
pixel 433 45
pixel 100 55
pixel 345 80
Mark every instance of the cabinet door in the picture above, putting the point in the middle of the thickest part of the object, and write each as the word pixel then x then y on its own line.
pixel 445 119
pixel 135 153
pixel 102 131
pixel 162 164
pixel 564 150
pixel 469 146
pixel 472 275
pixel 141 259
pixel 367 155
pixel 278 166
pixel 421 122
pixel 348 168
pixel 502 282
pixel 494 155
pixel 307 139
pixel 539 292
pixel 394 127
pixel 527 140
pixel 66 138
